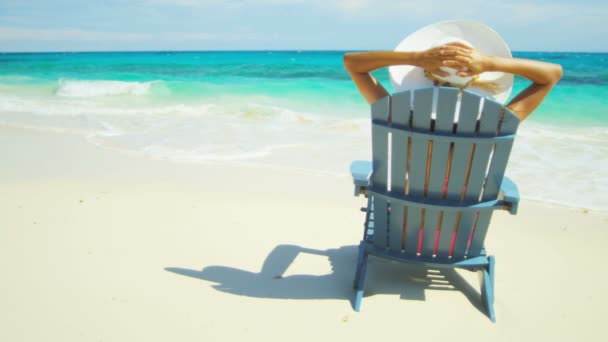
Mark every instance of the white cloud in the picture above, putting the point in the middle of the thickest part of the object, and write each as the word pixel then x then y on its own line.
pixel 545 15
pixel 27 34
pixel 14 33
pixel 346 6
pixel 515 11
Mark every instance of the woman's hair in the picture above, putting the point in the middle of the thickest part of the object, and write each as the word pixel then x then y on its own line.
pixel 491 87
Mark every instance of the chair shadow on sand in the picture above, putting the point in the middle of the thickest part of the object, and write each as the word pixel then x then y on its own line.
pixel 406 280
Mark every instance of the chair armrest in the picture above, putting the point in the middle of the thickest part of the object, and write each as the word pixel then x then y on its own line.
pixel 361 172
pixel 510 194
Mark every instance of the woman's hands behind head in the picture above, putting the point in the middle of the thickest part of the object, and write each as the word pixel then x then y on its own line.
pixel 467 60
pixel 459 56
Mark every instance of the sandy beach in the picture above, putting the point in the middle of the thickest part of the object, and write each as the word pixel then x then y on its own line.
pixel 98 245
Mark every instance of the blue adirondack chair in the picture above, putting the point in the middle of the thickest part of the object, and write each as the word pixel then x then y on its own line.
pixel 434 182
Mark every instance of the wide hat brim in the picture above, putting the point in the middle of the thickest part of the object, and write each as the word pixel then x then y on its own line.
pixel 480 36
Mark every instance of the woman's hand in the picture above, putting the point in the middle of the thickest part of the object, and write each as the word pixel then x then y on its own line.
pixel 454 55
pixel 433 59
pixel 467 60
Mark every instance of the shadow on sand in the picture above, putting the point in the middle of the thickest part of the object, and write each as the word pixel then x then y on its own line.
pixel 383 277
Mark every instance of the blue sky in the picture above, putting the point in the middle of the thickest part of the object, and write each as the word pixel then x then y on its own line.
pixel 84 25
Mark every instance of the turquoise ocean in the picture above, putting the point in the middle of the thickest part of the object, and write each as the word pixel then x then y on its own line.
pixel 287 109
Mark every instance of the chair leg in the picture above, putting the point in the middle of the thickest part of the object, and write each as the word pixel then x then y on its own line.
pixel 487 288
pixel 359 265
pixel 360 277
pixel 361 261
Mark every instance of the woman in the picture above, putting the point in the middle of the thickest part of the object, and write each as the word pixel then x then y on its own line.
pixel 466 60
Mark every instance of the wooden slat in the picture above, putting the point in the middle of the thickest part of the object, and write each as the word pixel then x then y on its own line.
pixel 458 170
pixel 396 227
pixel 469 108
pixel 380 157
pixel 380 222
pixel 414 220
pixel 477 174
pixel 490 116
pixel 445 237
pixel 439 164
pixel 501 157
pixel 479 236
pixel 430 228
pixel 497 169
pixel 423 102
pixel 446 107
pixel 401 108
pixel 381 109
pixel 380 113
pixel 399 161
pixel 423 106
pixel 464 232
pixel 417 176
pixel 400 112
pixel 509 123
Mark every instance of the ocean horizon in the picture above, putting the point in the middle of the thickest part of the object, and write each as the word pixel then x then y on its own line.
pixel 260 50
pixel 295 109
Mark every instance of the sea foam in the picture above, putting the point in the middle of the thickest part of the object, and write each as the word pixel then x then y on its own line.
pixel 96 88
pixel 565 165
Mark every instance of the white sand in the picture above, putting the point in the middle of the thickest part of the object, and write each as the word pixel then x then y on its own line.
pixel 96 245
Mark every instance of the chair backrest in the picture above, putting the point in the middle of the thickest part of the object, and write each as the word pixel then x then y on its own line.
pixel 433 172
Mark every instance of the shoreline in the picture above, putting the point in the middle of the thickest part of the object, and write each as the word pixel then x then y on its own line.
pixel 14 129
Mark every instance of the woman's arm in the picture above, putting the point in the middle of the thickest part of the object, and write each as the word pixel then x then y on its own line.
pixel 543 75
pixel 360 64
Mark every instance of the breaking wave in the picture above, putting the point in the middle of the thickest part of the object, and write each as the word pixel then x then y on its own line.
pixel 98 88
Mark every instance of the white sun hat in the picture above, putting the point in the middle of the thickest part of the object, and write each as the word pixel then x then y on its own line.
pixel 472 33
